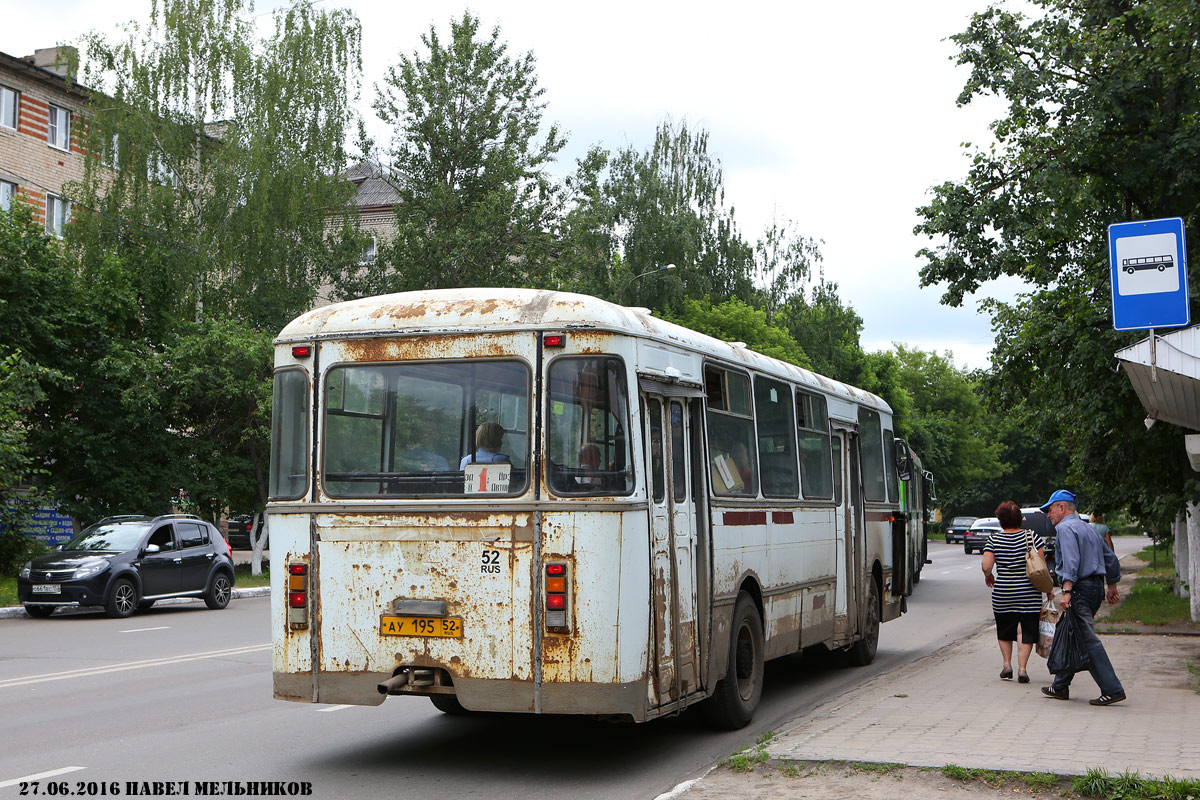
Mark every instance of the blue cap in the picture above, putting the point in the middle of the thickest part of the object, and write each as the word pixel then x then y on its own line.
pixel 1061 494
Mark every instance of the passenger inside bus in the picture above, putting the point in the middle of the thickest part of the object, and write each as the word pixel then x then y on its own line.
pixel 589 464
pixel 488 437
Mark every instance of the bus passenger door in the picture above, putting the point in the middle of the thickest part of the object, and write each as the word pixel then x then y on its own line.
pixel 673 550
pixel 849 527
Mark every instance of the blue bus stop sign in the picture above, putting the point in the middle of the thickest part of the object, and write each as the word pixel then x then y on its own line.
pixel 1148 262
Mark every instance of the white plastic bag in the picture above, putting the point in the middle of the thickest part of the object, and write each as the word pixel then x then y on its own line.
pixel 1047 622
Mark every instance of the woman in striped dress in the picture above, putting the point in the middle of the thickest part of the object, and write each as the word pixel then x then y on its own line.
pixel 1016 603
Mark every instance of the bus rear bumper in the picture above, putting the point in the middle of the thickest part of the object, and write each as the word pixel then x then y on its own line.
pixel 474 694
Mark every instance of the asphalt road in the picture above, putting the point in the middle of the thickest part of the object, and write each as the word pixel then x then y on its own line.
pixel 183 694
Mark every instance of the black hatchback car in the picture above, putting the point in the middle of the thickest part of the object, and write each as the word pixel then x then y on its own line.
pixel 127 563
pixel 956 531
pixel 237 531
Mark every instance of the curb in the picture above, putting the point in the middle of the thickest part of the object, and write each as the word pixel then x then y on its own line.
pixel 12 612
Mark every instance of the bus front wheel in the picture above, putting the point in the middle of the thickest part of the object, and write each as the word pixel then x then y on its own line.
pixel 736 698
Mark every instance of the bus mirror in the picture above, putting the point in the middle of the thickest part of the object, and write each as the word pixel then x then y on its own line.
pixel 903 460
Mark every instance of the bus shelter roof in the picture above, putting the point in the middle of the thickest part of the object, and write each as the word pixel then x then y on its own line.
pixel 1167 378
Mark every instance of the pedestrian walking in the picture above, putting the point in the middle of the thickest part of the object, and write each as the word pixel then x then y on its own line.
pixel 1084 564
pixel 1102 529
pixel 1016 603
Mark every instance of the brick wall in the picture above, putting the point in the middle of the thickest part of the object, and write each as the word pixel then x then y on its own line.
pixel 27 158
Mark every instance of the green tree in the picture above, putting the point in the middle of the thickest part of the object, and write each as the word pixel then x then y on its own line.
pixel 941 414
pixel 667 206
pixel 783 261
pixel 1103 120
pixel 828 332
pixel 96 430
pixel 222 150
pixel 199 231
pixel 220 382
pixel 734 321
pixel 477 207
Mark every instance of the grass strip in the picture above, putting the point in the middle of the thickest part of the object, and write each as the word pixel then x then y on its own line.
pixel 1035 781
pixel 1129 785
pixel 1152 601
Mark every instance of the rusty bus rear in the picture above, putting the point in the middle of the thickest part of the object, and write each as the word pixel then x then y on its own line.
pixel 626 539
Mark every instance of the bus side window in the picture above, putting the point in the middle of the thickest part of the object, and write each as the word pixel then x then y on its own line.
pixel 870 445
pixel 733 467
pixel 776 438
pixel 658 474
pixel 817 473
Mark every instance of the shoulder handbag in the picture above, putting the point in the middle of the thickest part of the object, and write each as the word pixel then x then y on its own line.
pixel 1035 567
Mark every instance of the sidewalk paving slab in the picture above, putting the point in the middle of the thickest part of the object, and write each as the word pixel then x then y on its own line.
pixel 952 708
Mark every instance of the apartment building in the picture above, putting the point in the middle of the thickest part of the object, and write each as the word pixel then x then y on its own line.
pixel 40 127
pixel 376 196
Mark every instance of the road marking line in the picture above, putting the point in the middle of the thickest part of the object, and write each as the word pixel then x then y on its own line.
pixel 333 708
pixel 52 773
pixel 139 630
pixel 152 662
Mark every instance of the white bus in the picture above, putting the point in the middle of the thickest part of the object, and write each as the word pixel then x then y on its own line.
pixel 532 501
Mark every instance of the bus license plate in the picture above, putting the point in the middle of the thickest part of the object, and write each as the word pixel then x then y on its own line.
pixel 444 627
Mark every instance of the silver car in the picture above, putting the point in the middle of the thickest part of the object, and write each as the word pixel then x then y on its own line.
pixel 979 533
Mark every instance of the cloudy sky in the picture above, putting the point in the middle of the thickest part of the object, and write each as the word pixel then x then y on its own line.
pixel 837 116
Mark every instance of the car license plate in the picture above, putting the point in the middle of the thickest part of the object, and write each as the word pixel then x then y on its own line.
pixel 46 588
pixel 443 627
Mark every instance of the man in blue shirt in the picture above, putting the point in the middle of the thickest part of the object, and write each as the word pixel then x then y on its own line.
pixel 1084 564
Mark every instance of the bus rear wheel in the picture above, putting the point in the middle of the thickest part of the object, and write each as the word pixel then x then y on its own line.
pixel 863 651
pixel 733 704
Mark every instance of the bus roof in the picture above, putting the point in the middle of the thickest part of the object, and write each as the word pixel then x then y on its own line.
pixel 491 310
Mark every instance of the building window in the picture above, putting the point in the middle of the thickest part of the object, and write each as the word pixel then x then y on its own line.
pixel 112 151
pixel 58 213
pixel 368 252
pixel 59 132
pixel 159 171
pixel 8 193
pixel 9 99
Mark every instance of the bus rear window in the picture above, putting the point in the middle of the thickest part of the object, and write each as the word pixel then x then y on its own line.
pixel 289 435
pixel 426 429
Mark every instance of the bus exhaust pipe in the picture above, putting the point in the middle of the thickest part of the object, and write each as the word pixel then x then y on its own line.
pixel 392 685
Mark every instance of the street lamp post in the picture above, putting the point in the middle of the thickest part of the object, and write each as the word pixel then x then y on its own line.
pixel 629 282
